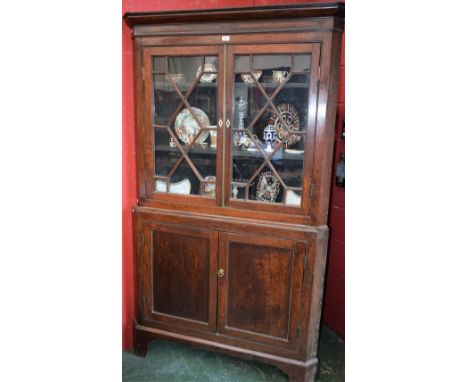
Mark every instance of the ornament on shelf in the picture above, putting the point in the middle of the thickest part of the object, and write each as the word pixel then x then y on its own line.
pixel 280 76
pixel 269 136
pixel 267 187
pixel 248 79
pixel 209 189
pixel 235 192
pixel 240 137
pixel 242 105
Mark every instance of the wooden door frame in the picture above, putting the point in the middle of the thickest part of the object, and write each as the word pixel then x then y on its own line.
pixel 147 135
pixel 314 49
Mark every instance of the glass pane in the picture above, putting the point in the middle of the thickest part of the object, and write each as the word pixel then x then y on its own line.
pixel 166 155
pixel 159 64
pixel 248 101
pixel 184 181
pixel 274 70
pixel 184 69
pixel 268 63
pixel 166 100
pixel 302 63
pixel 268 139
pixel 185 133
pixel 242 64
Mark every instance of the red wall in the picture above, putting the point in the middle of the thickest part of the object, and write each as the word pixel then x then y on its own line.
pixel 331 316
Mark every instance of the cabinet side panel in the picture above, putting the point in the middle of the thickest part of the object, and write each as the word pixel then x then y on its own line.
pixel 326 114
pixel 180 275
pixel 315 291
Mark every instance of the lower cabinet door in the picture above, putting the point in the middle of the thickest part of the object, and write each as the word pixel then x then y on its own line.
pixel 179 275
pixel 260 290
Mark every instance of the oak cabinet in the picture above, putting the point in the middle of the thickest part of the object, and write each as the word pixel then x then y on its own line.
pixel 235 113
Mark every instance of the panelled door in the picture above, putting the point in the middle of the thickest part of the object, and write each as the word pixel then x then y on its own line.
pixel 259 289
pixel 178 275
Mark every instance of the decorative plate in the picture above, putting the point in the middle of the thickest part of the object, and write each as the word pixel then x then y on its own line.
pixel 182 187
pixel 209 189
pixel 267 187
pixel 186 127
pixel 290 115
pixel 247 78
pixel 209 77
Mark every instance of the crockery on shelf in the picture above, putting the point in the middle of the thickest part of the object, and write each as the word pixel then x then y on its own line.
pixel 186 126
pixel 292 198
pixel 235 188
pixel 247 78
pixel 280 75
pixel 235 192
pixel 294 152
pixel 209 189
pixel 291 117
pixel 269 136
pixel 267 187
pixel 176 77
pixel 172 142
pixel 242 141
pixel 210 73
pixel 182 187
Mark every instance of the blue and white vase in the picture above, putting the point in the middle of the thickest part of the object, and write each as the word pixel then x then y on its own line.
pixel 269 136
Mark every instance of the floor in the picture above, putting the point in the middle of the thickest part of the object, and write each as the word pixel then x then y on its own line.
pixel 174 362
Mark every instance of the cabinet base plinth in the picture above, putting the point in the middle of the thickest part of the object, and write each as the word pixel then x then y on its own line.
pixel 141 341
pixel 300 373
pixel 297 371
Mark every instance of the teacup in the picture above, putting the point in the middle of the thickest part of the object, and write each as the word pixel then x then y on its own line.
pixel 280 75
pixel 247 78
pixel 177 77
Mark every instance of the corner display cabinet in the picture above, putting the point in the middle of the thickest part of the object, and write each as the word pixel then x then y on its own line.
pixel 235 114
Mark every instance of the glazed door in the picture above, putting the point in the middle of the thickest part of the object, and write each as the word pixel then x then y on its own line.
pixel 271 105
pixel 183 88
pixel 178 276
pixel 260 288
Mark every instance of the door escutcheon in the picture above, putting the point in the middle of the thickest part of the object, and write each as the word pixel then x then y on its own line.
pixel 220 272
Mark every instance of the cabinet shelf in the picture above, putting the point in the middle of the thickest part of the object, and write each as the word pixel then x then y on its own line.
pixel 279 155
pixel 183 86
pixel 274 85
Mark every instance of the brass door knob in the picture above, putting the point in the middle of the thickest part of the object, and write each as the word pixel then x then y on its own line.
pixel 220 272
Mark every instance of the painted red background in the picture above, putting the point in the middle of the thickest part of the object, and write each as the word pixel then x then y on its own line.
pixel 334 291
